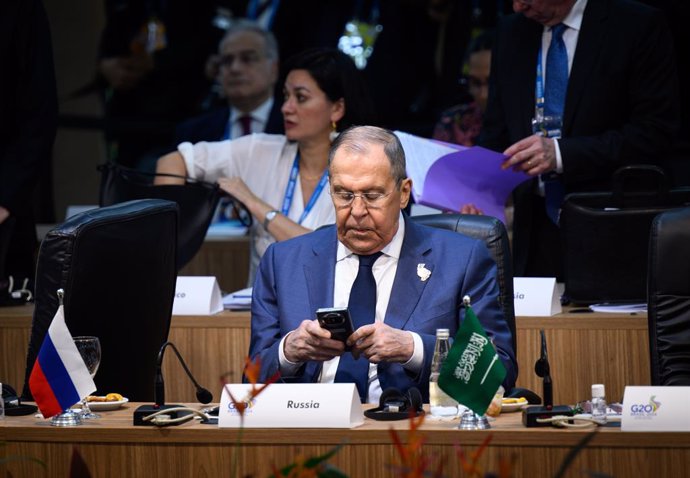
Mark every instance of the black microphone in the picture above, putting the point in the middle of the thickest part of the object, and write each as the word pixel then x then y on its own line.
pixel 543 370
pixel 531 415
pixel 202 394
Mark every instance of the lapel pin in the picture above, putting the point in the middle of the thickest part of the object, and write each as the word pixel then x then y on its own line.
pixel 423 272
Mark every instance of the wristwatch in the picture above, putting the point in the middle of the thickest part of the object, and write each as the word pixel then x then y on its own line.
pixel 270 215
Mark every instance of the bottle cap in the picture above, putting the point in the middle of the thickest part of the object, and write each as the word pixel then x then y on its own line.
pixel 443 333
pixel 598 390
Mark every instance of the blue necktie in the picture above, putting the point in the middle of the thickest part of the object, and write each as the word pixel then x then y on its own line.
pixel 556 73
pixel 362 307
pixel 554 104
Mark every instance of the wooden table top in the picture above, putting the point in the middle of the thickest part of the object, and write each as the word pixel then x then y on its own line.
pixel 507 429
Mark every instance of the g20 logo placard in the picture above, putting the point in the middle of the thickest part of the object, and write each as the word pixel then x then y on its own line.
pixel 645 409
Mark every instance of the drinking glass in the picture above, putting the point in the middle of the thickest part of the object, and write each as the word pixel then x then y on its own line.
pixel 90 350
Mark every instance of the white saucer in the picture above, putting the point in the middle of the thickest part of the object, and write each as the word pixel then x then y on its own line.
pixel 107 406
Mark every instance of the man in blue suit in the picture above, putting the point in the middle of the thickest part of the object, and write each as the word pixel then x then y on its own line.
pixel 420 280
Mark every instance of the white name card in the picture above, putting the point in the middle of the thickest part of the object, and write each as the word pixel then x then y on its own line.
pixel 656 409
pixel 298 405
pixel 536 296
pixel 197 295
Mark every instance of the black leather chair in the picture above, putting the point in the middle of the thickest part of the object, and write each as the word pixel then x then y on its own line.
pixel 668 298
pixel 494 234
pixel 117 266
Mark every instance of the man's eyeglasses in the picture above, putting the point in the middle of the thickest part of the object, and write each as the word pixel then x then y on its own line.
pixel 346 198
pixel 245 58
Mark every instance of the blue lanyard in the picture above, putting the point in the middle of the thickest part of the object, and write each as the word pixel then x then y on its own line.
pixel 227 133
pixel 290 191
pixel 539 89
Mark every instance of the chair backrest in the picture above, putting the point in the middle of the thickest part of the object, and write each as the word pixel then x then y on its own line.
pixel 494 234
pixel 197 201
pixel 668 298
pixel 117 267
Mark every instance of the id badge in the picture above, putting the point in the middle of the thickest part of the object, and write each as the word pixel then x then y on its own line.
pixel 358 41
pixel 547 126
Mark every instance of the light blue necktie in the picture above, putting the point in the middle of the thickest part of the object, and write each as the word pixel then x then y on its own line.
pixel 362 307
pixel 554 104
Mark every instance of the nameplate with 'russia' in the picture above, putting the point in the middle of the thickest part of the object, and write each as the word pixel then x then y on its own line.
pixel 291 405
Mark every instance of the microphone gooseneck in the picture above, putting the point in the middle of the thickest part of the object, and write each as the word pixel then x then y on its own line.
pixel 202 394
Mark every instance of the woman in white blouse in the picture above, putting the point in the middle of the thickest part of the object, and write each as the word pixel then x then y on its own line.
pixel 282 179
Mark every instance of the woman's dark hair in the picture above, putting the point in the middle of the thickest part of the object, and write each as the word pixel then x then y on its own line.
pixel 338 77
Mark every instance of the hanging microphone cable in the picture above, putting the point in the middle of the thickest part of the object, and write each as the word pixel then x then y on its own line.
pixel 202 394
pixel 161 414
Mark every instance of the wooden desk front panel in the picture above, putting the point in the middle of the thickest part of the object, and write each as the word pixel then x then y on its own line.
pixel 227 260
pixel 112 447
pixel 583 349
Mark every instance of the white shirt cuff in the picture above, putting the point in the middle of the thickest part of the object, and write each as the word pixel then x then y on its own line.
pixel 559 159
pixel 417 360
pixel 287 368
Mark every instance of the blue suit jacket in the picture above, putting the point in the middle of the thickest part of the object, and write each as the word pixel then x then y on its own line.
pixel 296 277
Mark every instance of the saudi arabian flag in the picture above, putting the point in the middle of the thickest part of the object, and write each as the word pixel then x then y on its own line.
pixel 473 371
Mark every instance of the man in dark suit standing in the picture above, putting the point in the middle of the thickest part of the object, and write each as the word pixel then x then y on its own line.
pixel 248 72
pixel 617 106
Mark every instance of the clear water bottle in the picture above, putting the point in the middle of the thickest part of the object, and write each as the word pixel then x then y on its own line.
pixel 599 403
pixel 441 405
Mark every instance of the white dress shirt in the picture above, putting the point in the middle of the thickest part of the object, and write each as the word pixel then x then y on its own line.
pixel 259 119
pixel 346 268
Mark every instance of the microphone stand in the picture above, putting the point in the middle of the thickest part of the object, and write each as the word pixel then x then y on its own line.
pixel 202 394
pixel 532 415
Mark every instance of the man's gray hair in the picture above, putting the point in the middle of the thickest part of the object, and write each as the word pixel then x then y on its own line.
pixel 356 139
pixel 243 25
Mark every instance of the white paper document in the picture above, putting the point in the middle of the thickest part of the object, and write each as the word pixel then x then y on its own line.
pixel 238 300
pixel 619 308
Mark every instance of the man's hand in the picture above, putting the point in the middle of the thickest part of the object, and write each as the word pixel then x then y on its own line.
pixel 534 155
pixel 470 208
pixel 379 342
pixel 311 342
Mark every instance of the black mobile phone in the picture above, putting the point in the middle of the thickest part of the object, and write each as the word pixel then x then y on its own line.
pixel 336 320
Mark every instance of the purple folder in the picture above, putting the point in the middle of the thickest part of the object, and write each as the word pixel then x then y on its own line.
pixel 473 175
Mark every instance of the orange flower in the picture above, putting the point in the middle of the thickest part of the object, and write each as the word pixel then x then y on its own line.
pixel 413 461
pixel 470 465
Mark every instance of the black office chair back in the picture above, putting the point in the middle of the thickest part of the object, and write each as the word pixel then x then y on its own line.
pixel 494 234
pixel 197 201
pixel 117 267
pixel 668 298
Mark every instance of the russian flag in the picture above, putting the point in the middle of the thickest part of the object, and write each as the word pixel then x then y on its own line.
pixel 59 378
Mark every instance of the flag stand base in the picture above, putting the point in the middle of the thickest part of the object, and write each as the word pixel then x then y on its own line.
pixel 68 418
pixel 471 421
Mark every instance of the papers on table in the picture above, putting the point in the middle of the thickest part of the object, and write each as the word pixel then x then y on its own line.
pixel 448 176
pixel 225 230
pixel 619 308
pixel 238 300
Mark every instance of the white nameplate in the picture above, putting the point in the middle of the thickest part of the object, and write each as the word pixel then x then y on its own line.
pixel 197 295
pixel 294 405
pixel 536 296
pixel 656 409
